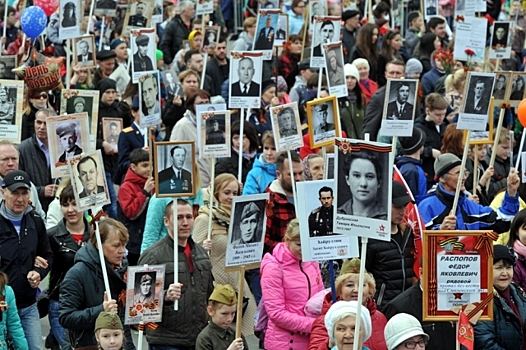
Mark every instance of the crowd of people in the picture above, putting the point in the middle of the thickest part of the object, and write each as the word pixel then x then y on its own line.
pixel 287 302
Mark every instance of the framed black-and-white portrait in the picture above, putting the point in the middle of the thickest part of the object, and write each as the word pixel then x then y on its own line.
pixel 88 180
pixel 80 101
pixel 477 98
pixel 266 32
pixel 69 19
pixel 245 77
pixel 7 63
pixel 174 170
pixel 399 107
pixel 150 100
pixel 171 83
pixel 212 35
pixel 286 126
pixel 282 30
pixel 121 77
pixel 268 4
pixel 500 40
pixel 214 133
pixel 333 54
pixel 143 50
pixel 138 15
pixel 158 11
pixel 204 7
pixel 106 8
pixel 317 8
pixel 187 45
pixel 503 86
pixel 246 233
pixel 144 294
pixel 431 9
pixel 363 172
pixel 318 240
pixel 11 110
pixel 328 31
pixel 323 118
pixel 111 130
pixel 518 84
pixel 84 52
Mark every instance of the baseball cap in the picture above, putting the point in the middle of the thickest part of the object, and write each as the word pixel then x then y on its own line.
pixel 400 197
pixel 15 180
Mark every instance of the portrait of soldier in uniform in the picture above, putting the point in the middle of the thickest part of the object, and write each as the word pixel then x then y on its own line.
pixel 320 219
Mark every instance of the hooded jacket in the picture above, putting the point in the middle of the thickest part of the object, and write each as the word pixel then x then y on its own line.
pixel 319 338
pixel 261 175
pixel 82 294
pixel 287 284
pixel 414 176
pixel 280 212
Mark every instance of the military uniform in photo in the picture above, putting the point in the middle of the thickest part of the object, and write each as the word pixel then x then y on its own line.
pixel 63 129
pixel 137 21
pixel 142 63
pixel 106 4
pixel 320 221
pixel 7 112
pixel 172 182
pixel 287 132
pixel 215 137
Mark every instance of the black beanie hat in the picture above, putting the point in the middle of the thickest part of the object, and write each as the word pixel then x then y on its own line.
pixel 413 143
pixel 106 84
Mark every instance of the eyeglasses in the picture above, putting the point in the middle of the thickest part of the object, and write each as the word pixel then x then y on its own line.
pixel 41 96
pixel 411 344
pixel 466 174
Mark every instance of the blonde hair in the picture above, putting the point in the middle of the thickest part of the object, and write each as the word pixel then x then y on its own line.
pixel 223 180
pixel 184 74
pixel 293 231
pixel 268 136
pixel 369 279
pixel 249 22
pixel 454 81
pixel 64 182
pixel 107 227
pixel 504 136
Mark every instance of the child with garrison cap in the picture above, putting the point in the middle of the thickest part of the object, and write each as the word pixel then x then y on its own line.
pixel 222 310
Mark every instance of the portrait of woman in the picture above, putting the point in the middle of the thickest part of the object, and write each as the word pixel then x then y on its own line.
pixel 70 18
pixel 363 177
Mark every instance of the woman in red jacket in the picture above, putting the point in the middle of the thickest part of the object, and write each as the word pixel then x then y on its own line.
pixel 347 289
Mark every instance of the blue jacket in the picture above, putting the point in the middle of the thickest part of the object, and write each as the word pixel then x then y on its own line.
pixel 430 79
pixel 504 332
pixel 261 175
pixel 414 176
pixel 470 215
pixel 10 323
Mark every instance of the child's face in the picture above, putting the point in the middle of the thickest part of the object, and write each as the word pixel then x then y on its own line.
pixel 110 339
pixel 521 234
pixel 417 22
pixel 143 169
pixel 223 315
pixel 281 94
pixel 503 150
pixel 269 151
pixel 481 152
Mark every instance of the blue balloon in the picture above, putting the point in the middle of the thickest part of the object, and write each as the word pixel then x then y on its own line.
pixel 33 21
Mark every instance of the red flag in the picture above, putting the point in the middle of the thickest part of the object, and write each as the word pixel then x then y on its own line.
pixel 412 218
pixel 465 333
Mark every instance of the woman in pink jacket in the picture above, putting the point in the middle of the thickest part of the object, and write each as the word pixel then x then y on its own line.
pixel 287 284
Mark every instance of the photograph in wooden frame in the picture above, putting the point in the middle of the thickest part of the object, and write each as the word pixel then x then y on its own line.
pixel 168 161
pixel 483 137
pixel 463 250
pixel 319 134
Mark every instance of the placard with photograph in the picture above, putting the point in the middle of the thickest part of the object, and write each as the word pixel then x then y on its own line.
pixel 11 110
pixel 328 29
pixel 317 8
pixel 174 170
pixel 246 233
pixel 212 35
pixel 69 19
pixel 214 134
pixel 121 77
pixel 157 16
pixel 503 86
pixel 171 83
pixel 149 100
pixel 363 185
pixel 266 32
pixel 144 294
pixel 477 97
pixel 333 54
pixel 399 107
pixel 468 38
pixel 349 5
pixel 204 7
pixel 318 241
pixel 106 8
pixel 468 8
pixel 245 75
pixel 287 126
pixel 199 109
pixel 111 129
pixel 486 136
pixel 323 118
pixel 7 63
pixel 282 30
pixel 79 101
pixel 518 84
pixel 500 40
pixel 268 4
pixel 431 9
pixel 84 52
pixel 88 180
pixel 143 49
pixel 138 15
pixel 68 136
pixel 329 166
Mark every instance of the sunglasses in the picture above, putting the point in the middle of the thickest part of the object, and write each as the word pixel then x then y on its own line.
pixel 41 96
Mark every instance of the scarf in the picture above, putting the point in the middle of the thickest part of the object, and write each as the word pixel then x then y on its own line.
pixel 366 84
pixel 16 219
pixel 351 97
pixel 519 248
pixel 248 156
pixel 306 169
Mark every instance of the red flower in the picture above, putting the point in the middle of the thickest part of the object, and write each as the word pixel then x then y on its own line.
pixel 459 18
pixel 365 20
pixel 469 52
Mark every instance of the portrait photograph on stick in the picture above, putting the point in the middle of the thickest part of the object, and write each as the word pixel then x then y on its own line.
pixel 138 15
pixel 212 35
pixel 363 172
pixel 69 19
pixel 333 54
pixel 431 9
pixel 214 134
pixel 317 8
pixel 399 107
pixel 518 84
pixel 477 98
pixel 144 294
pixel 500 40
pixel 503 86
pixel 82 101
pixel 157 15
pixel 245 77
pixel 318 240
pixel 88 180
pixel 174 170
pixel 68 136
pixel 246 232
pixel 282 30
pixel 149 100
pixel 111 130
pixel 106 8
pixel 323 119
pixel 11 110
pixel 143 51
pixel 7 63
pixel 266 32
pixel 327 29
pixel 287 126
pixel 84 52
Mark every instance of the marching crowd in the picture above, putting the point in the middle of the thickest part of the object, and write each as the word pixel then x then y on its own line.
pixel 287 302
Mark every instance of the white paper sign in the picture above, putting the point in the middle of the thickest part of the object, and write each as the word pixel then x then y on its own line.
pixel 468 37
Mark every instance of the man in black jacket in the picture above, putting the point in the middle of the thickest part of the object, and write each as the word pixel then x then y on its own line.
pixel 351 20
pixel 218 67
pixel 176 31
pixel 179 329
pixel 34 158
pixel 23 237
